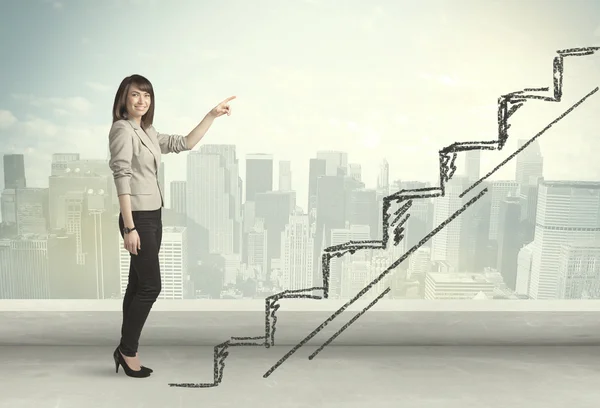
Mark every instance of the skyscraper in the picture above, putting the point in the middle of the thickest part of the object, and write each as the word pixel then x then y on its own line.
pixel 568 212
pixel 472 165
pixel 383 178
pixel 213 201
pixel 509 242
pixel 336 162
pixel 445 244
pixel 296 253
pixel 579 271
pixel 317 168
pixel 500 189
pixel 178 196
pixel 14 171
pixel 331 207
pixel 530 163
pixel 355 171
pixel 259 174
pixel 285 175
pixel 274 207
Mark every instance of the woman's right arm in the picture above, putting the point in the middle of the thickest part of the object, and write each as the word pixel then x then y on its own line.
pixel 125 204
pixel 120 144
pixel 121 153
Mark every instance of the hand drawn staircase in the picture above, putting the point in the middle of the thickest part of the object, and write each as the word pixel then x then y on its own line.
pixel 507 105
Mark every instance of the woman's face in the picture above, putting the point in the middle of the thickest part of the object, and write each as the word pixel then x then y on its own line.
pixel 138 102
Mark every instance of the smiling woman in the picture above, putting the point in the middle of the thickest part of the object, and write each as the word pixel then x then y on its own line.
pixel 135 157
pixel 135 100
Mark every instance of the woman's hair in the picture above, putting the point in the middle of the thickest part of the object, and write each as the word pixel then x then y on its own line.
pixel 120 105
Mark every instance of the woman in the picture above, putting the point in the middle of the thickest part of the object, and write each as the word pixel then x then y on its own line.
pixel 135 152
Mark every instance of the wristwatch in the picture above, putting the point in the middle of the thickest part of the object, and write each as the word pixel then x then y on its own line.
pixel 127 230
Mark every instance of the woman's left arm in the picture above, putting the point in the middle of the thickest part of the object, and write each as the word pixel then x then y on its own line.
pixel 171 143
pixel 177 143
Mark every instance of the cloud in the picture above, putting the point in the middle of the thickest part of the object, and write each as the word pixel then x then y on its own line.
pixel 96 86
pixel 7 119
pixel 597 32
pixel 36 127
pixel 71 105
pixel 61 112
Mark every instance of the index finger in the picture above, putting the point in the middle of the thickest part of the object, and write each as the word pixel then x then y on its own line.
pixel 230 99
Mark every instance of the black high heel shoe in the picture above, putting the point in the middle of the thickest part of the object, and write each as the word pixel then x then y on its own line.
pixel 119 360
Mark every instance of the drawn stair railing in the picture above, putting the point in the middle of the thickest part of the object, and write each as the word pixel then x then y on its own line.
pixel 507 105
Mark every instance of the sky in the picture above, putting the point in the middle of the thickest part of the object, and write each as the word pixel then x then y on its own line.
pixel 378 79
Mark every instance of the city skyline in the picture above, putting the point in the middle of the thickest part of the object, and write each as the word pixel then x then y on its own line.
pixel 529 170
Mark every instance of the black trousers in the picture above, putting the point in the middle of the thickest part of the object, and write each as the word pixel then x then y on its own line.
pixel 144 284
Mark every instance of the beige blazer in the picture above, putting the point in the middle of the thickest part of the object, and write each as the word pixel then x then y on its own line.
pixel 135 161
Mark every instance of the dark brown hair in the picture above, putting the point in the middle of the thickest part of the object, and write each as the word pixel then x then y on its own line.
pixel 120 105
